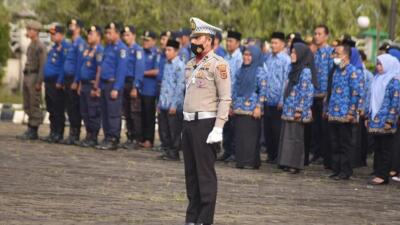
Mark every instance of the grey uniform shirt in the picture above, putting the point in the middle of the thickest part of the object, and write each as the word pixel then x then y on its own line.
pixel 36 58
pixel 208 87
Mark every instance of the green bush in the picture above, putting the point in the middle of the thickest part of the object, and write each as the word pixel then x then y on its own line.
pixel 4 39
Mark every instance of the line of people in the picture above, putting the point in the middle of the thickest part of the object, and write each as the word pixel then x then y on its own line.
pixel 306 98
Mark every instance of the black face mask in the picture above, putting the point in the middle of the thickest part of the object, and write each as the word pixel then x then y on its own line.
pixel 196 49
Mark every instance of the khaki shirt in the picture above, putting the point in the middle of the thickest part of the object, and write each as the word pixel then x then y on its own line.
pixel 36 58
pixel 208 87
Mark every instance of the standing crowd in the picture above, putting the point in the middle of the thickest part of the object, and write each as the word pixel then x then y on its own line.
pixel 298 98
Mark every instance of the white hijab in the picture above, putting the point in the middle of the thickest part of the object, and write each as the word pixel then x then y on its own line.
pixel 391 68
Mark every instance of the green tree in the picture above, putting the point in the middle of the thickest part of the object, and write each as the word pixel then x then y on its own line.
pixel 4 39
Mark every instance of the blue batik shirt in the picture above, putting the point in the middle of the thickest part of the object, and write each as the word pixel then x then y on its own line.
pixel 323 64
pixel 173 86
pixel 235 61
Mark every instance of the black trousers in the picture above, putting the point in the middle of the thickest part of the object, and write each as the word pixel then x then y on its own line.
pixel 272 130
pixel 341 144
pixel 383 155
pixel 170 127
pixel 111 111
pixel 72 104
pixel 229 137
pixel 148 117
pixel 55 104
pixel 132 110
pixel 200 175
pixel 90 109
pixel 319 138
pixel 396 152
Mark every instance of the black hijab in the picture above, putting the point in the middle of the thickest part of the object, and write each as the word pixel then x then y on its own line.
pixel 305 59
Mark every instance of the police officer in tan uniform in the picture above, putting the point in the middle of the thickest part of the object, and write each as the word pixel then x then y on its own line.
pixel 33 78
pixel 206 108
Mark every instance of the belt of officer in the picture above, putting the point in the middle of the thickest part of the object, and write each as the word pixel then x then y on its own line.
pixel 198 116
pixel 108 81
pixel 28 71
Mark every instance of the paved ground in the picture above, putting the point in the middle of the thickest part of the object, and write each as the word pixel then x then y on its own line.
pixel 55 184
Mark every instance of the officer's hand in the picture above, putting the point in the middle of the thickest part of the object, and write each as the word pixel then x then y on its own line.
pixel 114 94
pixel 59 86
pixel 257 113
pixel 38 87
pixel 74 86
pixel 388 126
pixel 215 136
pixel 134 93
pixel 172 111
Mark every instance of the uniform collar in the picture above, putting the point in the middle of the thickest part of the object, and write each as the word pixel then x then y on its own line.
pixel 235 53
pixel 174 60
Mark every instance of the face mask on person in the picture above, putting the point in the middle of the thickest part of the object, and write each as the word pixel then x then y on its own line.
pixel 196 49
pixel 337 61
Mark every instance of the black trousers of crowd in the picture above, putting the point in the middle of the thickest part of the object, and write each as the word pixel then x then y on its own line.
pixel 341 145
pixel 148 117
pixel 319 137
pixel 383 152
pixel 200 175
pixel 132 110
pixel 272 130
pixel 72 104
pixel 170 127
pixel 90 109
pixel 55 106
pixel 229 137
pixel 111 111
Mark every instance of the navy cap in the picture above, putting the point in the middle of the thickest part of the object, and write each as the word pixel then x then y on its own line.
pixel 173 43
pixel 185 31
pixel 149 34
pixel 234 34
pixel 130 28
pixel 114 25
pixel 218 35
pixel 57 29
pixel 95 28
pixel 278 35
pixel 77 22
pixel 166 33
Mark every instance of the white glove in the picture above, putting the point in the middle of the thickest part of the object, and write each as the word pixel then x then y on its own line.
pixel 215 136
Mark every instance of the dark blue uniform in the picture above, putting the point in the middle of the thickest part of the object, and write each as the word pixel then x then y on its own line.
pixel 89 105
pixel 53 74
pixel 149 94
pixel 72 66
pixel 113 72
pixel 132 106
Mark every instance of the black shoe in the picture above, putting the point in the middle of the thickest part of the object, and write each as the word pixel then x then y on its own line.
pixel 316 160
pixel 342 177
pixel 130 145
pixel 48 138
pixel 334 176
pixel 270 161
pixel 293 171
pixel 230 159
pixel 29 134
pixel 171 155
pixel 222 158
pixel 108 144
pixel 90 141
pixel 56 138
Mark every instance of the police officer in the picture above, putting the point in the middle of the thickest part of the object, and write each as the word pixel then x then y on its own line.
pixel 33 78
pixel 88 86
pixel 184 52
pixel 72 66
pixel 112 77
pixel 133 88
pixel 150 87
pixel 205 111
pixel 54 84
pixel 170 102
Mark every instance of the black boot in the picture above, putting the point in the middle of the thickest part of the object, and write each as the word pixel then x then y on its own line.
pixel 90 140
pixel 49 137
pixel 171 155
pixel 110 143
pixel 73 137
pixel 129 144
pixel 56 138
pixel 29 134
